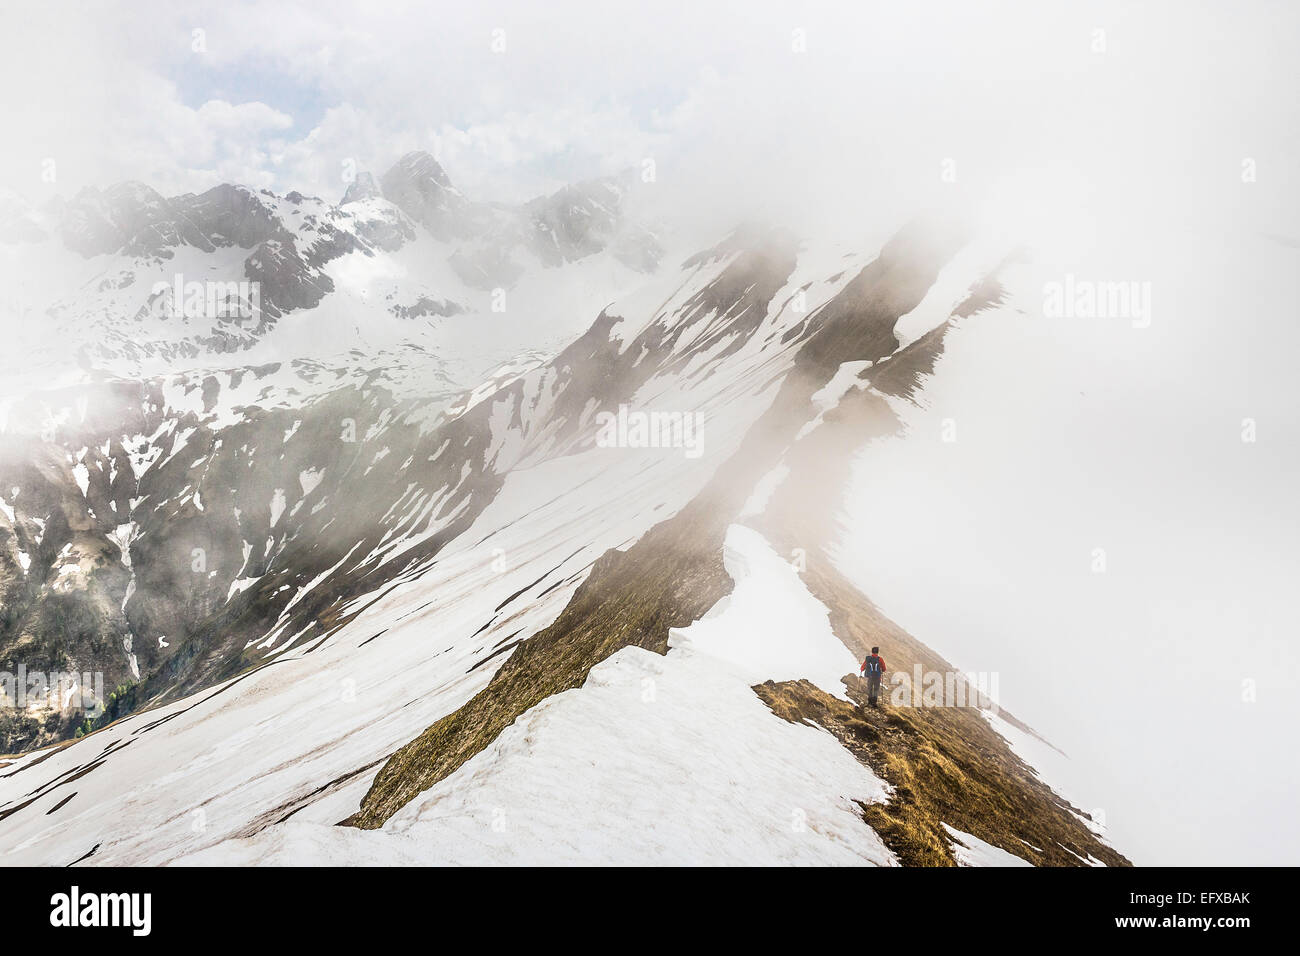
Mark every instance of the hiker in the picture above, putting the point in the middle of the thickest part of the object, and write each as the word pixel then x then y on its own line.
pixel 873 668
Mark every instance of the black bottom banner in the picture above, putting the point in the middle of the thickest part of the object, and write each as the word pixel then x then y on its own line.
pixel 915 907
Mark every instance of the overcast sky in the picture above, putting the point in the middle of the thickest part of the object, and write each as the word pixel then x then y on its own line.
pixel 825 115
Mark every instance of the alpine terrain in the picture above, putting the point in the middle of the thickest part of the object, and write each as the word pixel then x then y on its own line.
pixel 413 528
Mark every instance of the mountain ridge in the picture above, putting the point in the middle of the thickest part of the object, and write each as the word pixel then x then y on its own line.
pixel 207 525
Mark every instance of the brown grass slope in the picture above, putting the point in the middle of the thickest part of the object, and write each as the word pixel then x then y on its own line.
pixel 946 764
pixel 667 579
pixel 945 768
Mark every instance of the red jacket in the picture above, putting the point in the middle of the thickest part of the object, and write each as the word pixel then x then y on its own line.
pixel 863 668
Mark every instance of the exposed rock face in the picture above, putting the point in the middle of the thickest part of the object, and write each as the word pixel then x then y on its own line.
pixel 232 216
pixel 135 220
pixel 64 568
pixel 574 222
pixel 131 539
pixel 494 242
pixel 128 217
pixel 424 306
pixel 88 227
pixel 361 188
pixel 287 282
pixel 420 187
pixel 381 224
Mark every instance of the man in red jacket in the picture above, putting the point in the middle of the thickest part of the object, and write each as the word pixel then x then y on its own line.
pixel 873 669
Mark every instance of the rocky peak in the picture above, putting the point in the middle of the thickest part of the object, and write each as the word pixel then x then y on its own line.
pixel 128 217
pixel 231 215
pixel 363 187
pixel 420 187
pixel 419 165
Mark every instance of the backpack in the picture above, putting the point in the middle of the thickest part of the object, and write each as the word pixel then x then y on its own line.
pixel 873 666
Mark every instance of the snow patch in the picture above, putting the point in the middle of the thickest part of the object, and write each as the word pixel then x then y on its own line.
pixel 309 479
pixel 769 627
pixel 277 506
pixel 655 760
pixel 972 851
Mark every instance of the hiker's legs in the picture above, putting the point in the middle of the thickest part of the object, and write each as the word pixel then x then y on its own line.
pixel 873 689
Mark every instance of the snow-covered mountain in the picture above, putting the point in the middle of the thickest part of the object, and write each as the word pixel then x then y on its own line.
pixel 148 328
pixel 124 282
pixel 546 584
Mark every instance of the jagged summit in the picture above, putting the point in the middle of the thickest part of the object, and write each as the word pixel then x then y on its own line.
pixel 420 187
pixel 361 188
pixel 128 217
pixel 419 165
pixel 93 266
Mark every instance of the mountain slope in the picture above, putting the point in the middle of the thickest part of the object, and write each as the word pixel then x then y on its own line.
pixel 219 360
pixel 481 566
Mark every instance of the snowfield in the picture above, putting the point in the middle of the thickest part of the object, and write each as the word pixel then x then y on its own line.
pixel 655 760
pixel 769 627
pixel 301 738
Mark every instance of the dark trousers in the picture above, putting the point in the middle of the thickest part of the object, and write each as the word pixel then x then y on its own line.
pixel 873 688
